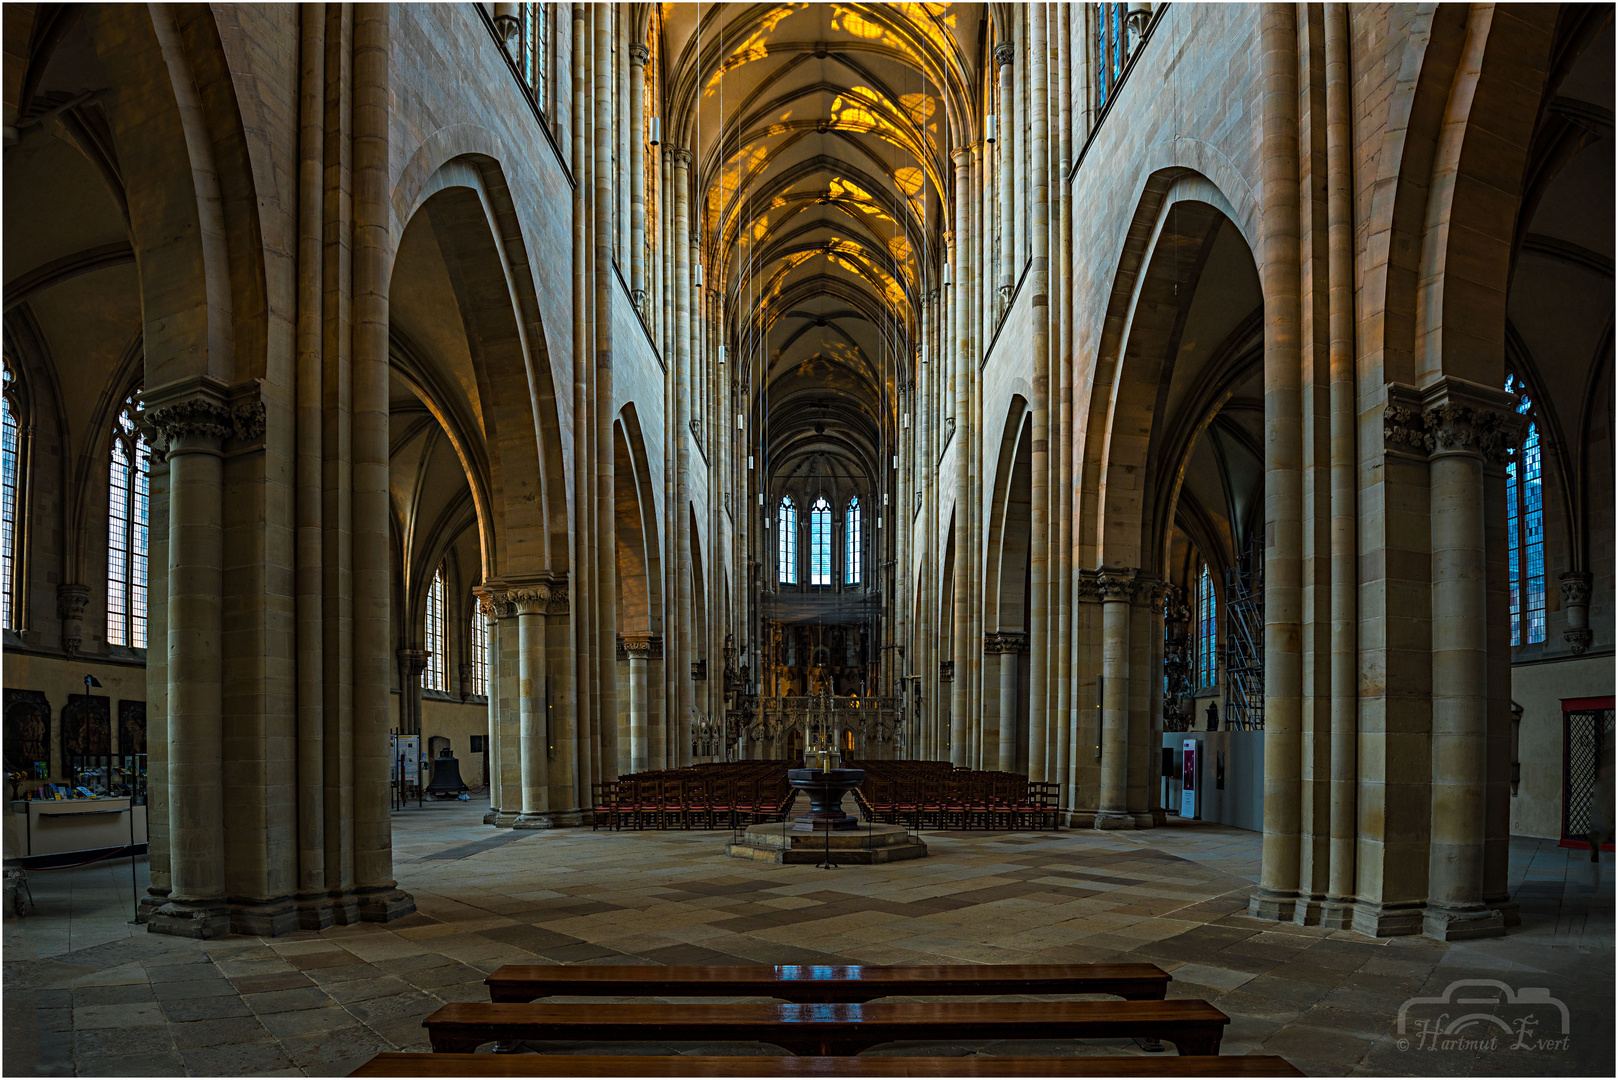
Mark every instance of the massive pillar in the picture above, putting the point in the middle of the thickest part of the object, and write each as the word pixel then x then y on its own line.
pixel 639 648
pixel 639 54
pixel 1283 492
pixel 1459 433
pixel 194 421
pixel 1117 586
pixel 533 735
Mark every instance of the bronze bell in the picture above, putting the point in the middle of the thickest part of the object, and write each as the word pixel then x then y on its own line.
pixel 446 779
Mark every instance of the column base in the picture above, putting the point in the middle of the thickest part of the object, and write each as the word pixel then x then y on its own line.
pixel 315 911
pixel 1462 924
pixel 384 903
pixel 1114 819
pixel 1077 819
pixel 1143 819
pixel 504 819
pixel 1272 906
pixel 199 919
pixel 1507 908
pixel 540 819
pixel 1337 913
pixel 1387 920
pixel 155 898
pixel 488 819
pixel 1307 911
pixel 264 918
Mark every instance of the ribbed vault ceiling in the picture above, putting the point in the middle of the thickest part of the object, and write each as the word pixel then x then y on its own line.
pixel 820 136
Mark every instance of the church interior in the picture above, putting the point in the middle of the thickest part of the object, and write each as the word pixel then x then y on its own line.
pixel 1124 490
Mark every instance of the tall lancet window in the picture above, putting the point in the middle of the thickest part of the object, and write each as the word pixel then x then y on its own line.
pixel 10 500
pixel 820 542
pixel 480 652
pixel 1525 524
pixel 786 520
pixel 1112 48
pixel 432 676
pixel 851 543
pixel 127 503
pixel 535 47
pixel 1207 666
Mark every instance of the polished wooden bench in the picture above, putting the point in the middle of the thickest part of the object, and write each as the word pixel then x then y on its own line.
pixel 1195 1027
pixel 825 984
pixel 397 1064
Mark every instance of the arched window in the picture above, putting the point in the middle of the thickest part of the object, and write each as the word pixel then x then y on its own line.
pixel 820 542
pixel 127 504
pixel 787 544
pixel 851 543
pixel 1207 658
pixel 534 50
pixel 10 500
pixel 480 652
pixel 1112 48
pixel 432 677
pixel 1525 523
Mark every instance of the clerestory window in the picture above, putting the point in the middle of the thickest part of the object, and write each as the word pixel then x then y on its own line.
pixel 11 502
pixel 851 543
pixel 480 651
pixel 820 542
pixel 432 676
pixel 787 543
pixel 128 504
pixel 1207 662
pixel 1525 523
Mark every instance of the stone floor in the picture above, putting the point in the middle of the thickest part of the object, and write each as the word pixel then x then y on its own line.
pixel 88 994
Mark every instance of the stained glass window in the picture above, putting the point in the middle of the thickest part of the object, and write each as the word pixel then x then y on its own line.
pixel 1207 658
pixel 128 505
pixel 432 677
pixel 1525 517
pixel 787 544
pixel 535 45
pixel 820 542
pixel 851 543
pixel 480 652
pixel 10 486
pixel 1112 48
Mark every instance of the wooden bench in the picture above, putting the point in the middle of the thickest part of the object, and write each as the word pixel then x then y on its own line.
pixel 397 1064
pixel 826 984
pixel 1195 1027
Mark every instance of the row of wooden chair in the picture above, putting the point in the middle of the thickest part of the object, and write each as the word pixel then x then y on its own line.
pixel 632 803
pixel 934 794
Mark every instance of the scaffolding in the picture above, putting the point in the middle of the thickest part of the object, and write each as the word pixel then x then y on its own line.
pixel 1244 642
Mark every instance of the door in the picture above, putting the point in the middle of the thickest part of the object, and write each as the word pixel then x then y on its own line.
pixel 1587 722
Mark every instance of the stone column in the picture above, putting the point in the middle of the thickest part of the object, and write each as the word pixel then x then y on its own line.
pixel 489 594
pixel 412 662
pixel 639 54
pixel 567 766
pixel 1011 647
pixel 638 647
pixel 1117 587
pixel 1455 909
pixel 1005 169
pixel 960 700
pixel 1276 896
pixel 193 419
pixel 533 735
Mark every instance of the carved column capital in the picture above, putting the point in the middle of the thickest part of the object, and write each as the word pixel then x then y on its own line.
pixel 412 662
pixel 1456 428
pixel 1004 53
pixel 1116 584
pixel 636 646
pixel 678 157
pixel 204 410
pixel 639 54
pixel 1576 587
pixel 532 599
pixel 946 670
